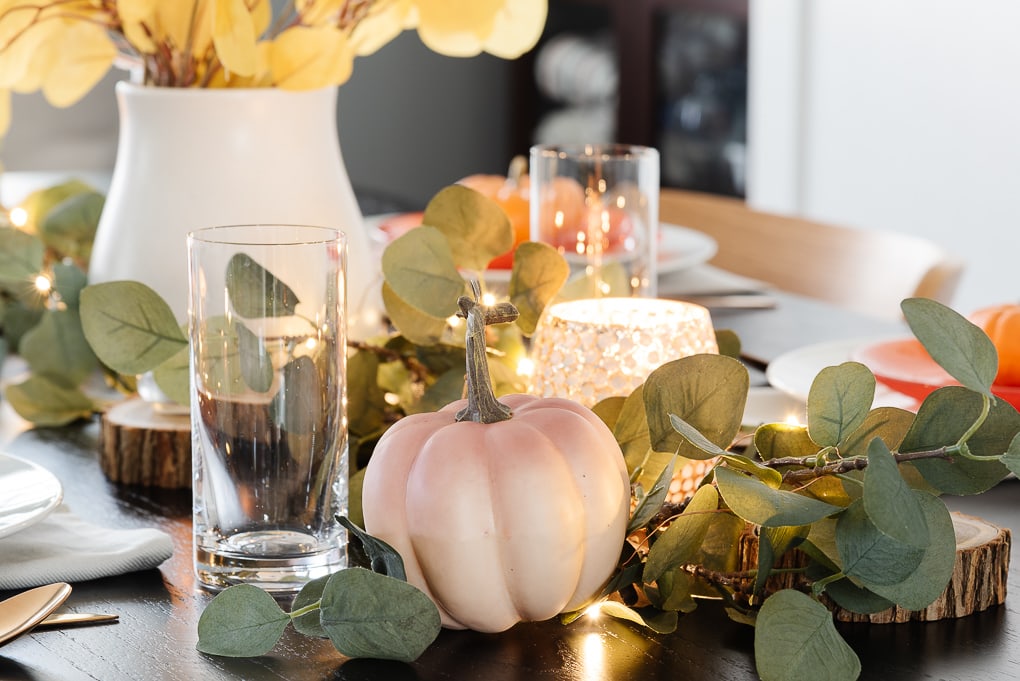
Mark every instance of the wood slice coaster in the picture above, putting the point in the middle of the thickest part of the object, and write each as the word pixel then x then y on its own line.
pixel 139 445
pixel 978 581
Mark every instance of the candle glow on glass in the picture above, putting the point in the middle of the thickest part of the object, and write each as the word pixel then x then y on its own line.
pixel 591 349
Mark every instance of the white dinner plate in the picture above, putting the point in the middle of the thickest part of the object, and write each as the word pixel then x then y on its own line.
pixel 794 371
pixel 28 493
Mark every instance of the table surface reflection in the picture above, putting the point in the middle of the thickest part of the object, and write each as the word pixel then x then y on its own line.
pixel 159 609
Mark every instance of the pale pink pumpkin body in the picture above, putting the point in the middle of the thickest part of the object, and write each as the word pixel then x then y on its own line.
pixel 516 520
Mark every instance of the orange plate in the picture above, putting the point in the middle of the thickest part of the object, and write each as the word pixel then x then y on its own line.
pixel 905 366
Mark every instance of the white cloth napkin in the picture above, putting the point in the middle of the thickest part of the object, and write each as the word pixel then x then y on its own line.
pixel 708 280
pixel 64 548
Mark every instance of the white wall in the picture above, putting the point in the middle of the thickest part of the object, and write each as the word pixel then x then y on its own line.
pixel 894 114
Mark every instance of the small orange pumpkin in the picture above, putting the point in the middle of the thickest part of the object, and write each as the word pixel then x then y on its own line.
pixel 503 511
pixel 1002 324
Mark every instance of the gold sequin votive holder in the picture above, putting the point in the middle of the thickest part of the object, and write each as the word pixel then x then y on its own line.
pixel 591 349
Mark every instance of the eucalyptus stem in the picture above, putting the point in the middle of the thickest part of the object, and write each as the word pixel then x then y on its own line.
pixel 857 463
pixel 482 406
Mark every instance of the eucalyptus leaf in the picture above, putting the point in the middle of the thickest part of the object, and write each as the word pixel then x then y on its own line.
pixel 21 256
pixel 608 280
pixel 674 591
pixel 772 543
pixel 631 432
pixel 928 581
pixel 795 638
pixel 728 342
pixel 839 400
pixel 299 400
pixel 256 365
pixel 45 402
pixel 706 391
pixel 650 503
pixel 854 598
pixel 367 614
pixel 373 553
pixel 681 540
pixel 1011 458
pixel 56 346
pixel 355 487
pixel 658 621
pixel 366 403
pixel 70 227
pixel 129 326
pixel 888 423
pixel 19 319
pixel 538 274
pixel 942 419
pixel 38 204
pixel 778 440
pixel 694 437
pixel 68 281
pixel 174 377
pixel 609 410
pixel 870 557
pixel 476 228
pixel 957 345
pixel 418 327
pixel 255 292
pixel 310 595
pixel 757 503
pixel 889 502
pixel 745 464
pixel 448 387
pixel 419 269
pixel 241 621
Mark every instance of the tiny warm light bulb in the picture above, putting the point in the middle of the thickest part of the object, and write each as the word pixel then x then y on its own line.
pixel 488 299
pixel 792 419
pixel 19 217
pixel 43 284
pixel 453 321
pixel 525 367
pixel 311 343
pixel 593 611
pixel 391 399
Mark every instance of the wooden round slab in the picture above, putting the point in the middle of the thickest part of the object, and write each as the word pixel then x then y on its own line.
pixel 139 445
pixel 978 581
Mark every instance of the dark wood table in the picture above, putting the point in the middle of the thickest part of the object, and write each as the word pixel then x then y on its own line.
pixel 159 609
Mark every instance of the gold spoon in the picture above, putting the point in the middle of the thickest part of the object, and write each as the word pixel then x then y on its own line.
pixel 20 613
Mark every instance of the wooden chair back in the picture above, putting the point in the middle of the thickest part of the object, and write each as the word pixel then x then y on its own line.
pixel 868 271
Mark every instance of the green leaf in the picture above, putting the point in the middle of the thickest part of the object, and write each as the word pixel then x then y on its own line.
pixel 693 436
pixel 475 226
pixel 631 432
pixel 795 638
pixel 310 594
pixel 45 402
pixel 418 327
pixel 373 553
pixel 56 346
pixel 19 318
pixel 70 227
pixel 130 328
pixel 888 423
pixel 174 377
pixel 777 440
pixel 68 281
pixel 1011 458
pixel 367 614
pixel 957 345
pixel 849 596
pixel 869 556
pixel 366 403
pixel 942 419
pixel 838 402
pixel 538 274
pixel 299 401
pixel 930 577
pixel 757 503
pixel 255 292
pixel 889 502
pixel 658 621
pixel 681 540
pixel 21 256
pixel 355 488
pixel 673 591
pixel 242 621
pixel 706 391
pixel 420 271
pixel 448 387
pixel 745 464
pixel 256 365
pixel 651 502
pixel 609 410
pixel 728 342
pixel 39 203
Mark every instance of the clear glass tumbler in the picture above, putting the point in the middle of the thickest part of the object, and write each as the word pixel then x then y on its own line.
pixel 268 403
pixel 598 204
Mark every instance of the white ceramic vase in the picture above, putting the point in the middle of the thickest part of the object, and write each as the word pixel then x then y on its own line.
pixel 190 158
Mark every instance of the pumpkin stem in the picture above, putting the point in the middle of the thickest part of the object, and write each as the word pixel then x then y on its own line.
pixel 518 168
pixel 482 406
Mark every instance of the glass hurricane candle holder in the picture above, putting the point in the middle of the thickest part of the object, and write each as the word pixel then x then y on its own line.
pixel 591 349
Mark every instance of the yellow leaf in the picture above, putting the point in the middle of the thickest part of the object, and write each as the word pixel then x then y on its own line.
pixel 310 57
pixel 456 28
pixel 517 28
pixel 234 36
pixel 383 24
pixel 262 15
pixel 261 78
pixel 184 24
pixel 137 10
pixel 318 12
pixel 24 56
pixel 138 37
pixel 133 15
pixel 85 54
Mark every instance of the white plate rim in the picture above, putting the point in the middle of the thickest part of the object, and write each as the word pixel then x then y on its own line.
pixel 793 371
pixel 17 518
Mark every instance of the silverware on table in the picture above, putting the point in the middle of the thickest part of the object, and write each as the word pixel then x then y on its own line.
pixel 34 608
